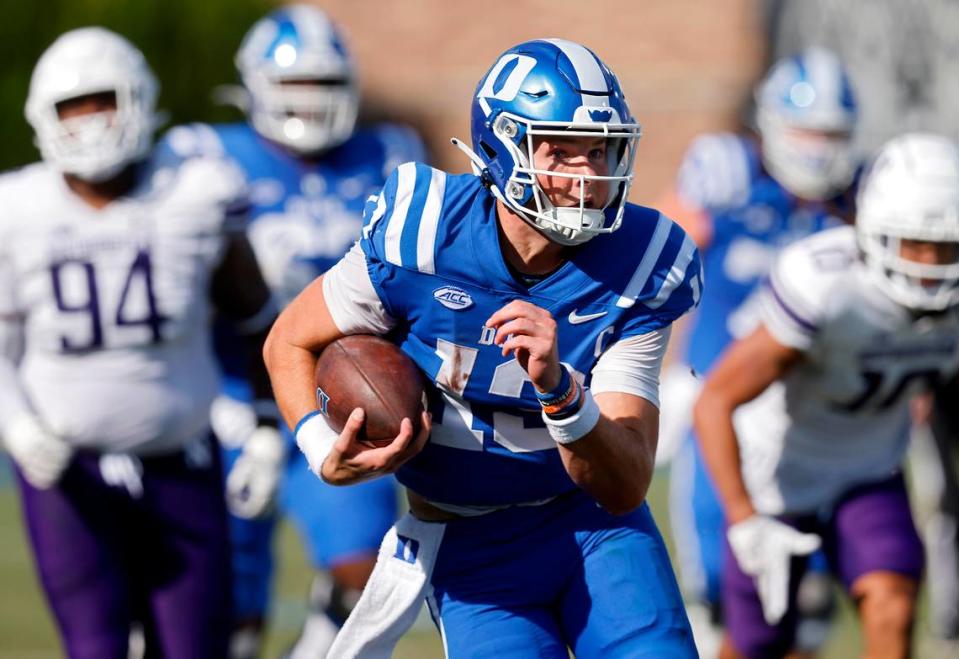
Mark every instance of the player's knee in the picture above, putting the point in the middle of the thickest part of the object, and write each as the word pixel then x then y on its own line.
pixel 886 602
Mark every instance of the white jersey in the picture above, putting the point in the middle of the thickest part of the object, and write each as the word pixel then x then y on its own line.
pixel 841 416
pixel 113 304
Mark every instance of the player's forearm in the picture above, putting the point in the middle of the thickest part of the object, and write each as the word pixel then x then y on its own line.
pixel 290 370
pixel 713 420
pixel 301 332
pixel 613 463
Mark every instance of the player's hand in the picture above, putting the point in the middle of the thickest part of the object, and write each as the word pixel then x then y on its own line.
pixel 232 421
pixel 41 455
pixel 529 332
pixel 764 547
pixel 254 479
pixel 351 460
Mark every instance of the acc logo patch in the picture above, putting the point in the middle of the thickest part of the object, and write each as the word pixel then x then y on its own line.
pixel 452 297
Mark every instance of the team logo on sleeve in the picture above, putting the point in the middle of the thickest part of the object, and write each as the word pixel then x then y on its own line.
pixel 452 297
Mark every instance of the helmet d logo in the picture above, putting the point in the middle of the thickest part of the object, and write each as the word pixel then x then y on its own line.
pixel 601 115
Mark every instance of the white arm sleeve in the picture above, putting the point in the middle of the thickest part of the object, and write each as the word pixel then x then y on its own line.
pixel 632 366
pixel 353 302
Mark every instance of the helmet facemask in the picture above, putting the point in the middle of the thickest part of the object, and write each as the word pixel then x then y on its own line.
pixel 806 113
pixel 916 285
pixel 94 146
pixel 814 167
pixel 567 225
pixel 308 115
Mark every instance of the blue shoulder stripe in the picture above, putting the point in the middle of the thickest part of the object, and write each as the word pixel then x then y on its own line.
pixel 409 239
pixel 378 208
pixel 414 217
pixel 396 218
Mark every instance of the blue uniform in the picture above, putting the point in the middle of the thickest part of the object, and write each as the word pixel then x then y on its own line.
pixel 752 218
pixel 305 216
pixel 563 571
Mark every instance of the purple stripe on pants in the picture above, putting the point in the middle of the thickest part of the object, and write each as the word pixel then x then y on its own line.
pixel 870 530
pixel 152 550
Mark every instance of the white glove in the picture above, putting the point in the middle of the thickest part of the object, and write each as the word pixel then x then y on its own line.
pixel 254 479
pixel 763 547
pixel 233 421
pixel 41 455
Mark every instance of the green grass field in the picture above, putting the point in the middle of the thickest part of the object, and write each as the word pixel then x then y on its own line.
pixel 26 630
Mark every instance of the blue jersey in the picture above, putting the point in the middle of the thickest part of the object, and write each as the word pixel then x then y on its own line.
pixel 305 214
pixel 432 248
pixel 752 218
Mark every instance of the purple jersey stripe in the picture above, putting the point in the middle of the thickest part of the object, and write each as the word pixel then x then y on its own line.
pixel 808 326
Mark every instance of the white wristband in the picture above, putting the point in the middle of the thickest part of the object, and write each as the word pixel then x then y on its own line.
pixel 568 430
pixel 315 439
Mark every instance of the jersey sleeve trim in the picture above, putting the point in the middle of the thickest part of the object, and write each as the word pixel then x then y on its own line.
pixel 807 325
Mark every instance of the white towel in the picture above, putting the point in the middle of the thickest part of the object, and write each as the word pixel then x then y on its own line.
pixel 395 592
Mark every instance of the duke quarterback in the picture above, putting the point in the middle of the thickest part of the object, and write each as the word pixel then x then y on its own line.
pixel 537 301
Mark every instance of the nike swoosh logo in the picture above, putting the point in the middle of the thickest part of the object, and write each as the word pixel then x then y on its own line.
pixel 576 319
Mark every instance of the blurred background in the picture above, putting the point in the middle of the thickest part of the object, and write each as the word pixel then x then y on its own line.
pixel 687 67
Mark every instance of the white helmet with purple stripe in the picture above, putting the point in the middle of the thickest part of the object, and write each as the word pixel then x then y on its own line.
pixel 542 88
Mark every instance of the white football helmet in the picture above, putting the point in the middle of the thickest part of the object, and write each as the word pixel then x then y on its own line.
pixel 299 44
pixel 912 192
pixel 808 92
pixel 95 146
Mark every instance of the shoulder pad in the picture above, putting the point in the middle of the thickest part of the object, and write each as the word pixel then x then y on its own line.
pixel 717 171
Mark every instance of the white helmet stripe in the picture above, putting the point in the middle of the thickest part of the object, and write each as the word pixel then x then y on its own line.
pixel 309 25
pixel 825 76
pixel 588 70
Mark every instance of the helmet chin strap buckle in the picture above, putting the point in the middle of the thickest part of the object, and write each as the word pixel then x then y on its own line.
pixel 479 167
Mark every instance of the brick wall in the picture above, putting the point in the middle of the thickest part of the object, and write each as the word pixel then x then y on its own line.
pixel 686 65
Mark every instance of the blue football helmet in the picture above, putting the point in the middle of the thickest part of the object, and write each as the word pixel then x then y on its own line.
pixel 810 92
pixel 559 88
pixel 301 79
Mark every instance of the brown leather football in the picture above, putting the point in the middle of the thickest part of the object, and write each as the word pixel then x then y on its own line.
pixel 372 373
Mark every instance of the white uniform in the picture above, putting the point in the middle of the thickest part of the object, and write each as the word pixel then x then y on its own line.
pixel 841 416
pixel 114 304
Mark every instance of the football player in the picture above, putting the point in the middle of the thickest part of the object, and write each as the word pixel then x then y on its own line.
pixel 310 170
pixel 743 198
pixel 538 303
pixel 112 253
pixel 854 321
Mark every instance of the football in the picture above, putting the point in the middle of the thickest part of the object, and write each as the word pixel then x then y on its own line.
pixel 372 373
